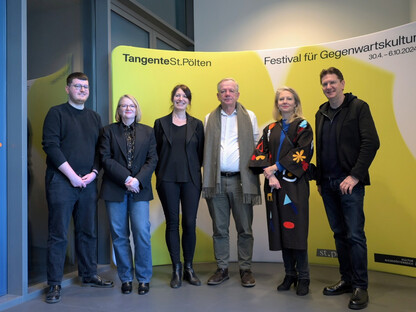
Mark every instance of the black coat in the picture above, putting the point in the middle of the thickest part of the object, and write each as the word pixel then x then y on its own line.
pixel 287 208
pixel 113 153
pixel 357 139
pixel 194 146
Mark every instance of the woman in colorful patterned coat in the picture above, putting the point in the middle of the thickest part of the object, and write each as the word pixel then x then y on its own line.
pixel 288 144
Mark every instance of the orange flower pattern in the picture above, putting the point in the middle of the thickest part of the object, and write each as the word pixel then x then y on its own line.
pixel 299 157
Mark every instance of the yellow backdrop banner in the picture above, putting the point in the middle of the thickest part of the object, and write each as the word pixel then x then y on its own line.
pixel 378 68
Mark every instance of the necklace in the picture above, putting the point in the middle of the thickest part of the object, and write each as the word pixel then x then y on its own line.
pixel 178 121
pixel 178 118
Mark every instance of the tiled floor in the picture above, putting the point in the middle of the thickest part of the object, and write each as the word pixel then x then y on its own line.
pixel 388 293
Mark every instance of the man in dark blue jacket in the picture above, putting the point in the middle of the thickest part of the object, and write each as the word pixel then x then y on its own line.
pixel 346 144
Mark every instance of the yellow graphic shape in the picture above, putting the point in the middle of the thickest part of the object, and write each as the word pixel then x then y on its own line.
pixel 153 82
pixel 389 201
pixel 203 251
pixel 269 197
pixel 260 157
pixel 298 156
pixel 44 93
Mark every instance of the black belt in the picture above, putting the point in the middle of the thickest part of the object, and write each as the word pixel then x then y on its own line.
pixel 229 174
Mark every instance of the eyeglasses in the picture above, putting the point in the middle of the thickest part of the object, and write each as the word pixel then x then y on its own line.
pixel 79 86
pixel 131 106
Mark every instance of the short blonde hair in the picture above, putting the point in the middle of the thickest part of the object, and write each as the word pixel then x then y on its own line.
pixel 133 99
pixel 298 106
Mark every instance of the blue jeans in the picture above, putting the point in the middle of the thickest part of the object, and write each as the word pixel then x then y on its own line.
pixel 346 219
pixel 119 214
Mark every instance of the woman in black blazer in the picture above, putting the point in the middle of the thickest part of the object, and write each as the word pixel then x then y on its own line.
pixel 180 143
pixel 128 155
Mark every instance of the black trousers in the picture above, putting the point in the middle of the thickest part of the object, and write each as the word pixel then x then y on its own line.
pixel 64 202
pixel 170 195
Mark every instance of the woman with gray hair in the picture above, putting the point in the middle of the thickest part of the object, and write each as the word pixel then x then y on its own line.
pixel 128 156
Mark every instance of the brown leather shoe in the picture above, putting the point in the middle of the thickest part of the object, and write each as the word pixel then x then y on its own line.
pixel 219 276
pixel 247 279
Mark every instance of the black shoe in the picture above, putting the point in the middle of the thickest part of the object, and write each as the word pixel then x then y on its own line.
pixel 176 280
pixel 287 282
pixel 247 278
pixel 96 281
pixel 339 288
pixel 143 288
pixel 190 275
pixel 126 288
pixel 54 294
pixel 219 276
pixel 359 299
pixel 303 287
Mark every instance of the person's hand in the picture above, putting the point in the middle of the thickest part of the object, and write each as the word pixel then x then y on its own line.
pixel 89 177
pixel 269 171
pixel 77 181
pixel 74 179
pixel 274 182
pixel 133 185
pixel 348 184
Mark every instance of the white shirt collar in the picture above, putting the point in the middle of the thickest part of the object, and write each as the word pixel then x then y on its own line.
pixel 225 114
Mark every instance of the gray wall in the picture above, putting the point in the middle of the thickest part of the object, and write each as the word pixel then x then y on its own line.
pixel 54 37
pixel 236 25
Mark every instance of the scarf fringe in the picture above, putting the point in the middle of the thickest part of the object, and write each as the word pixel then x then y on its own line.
pixel 209 192
pixel 254 199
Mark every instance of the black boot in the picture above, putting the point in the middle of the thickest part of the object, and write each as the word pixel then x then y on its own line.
pixel 190 275
pixel 303 287
pixel 176 280
pixel 287 282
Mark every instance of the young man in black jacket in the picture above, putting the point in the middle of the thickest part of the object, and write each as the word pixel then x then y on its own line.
pixel 346 144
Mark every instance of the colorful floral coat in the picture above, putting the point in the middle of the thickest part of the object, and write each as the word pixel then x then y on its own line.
pixel 288 207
